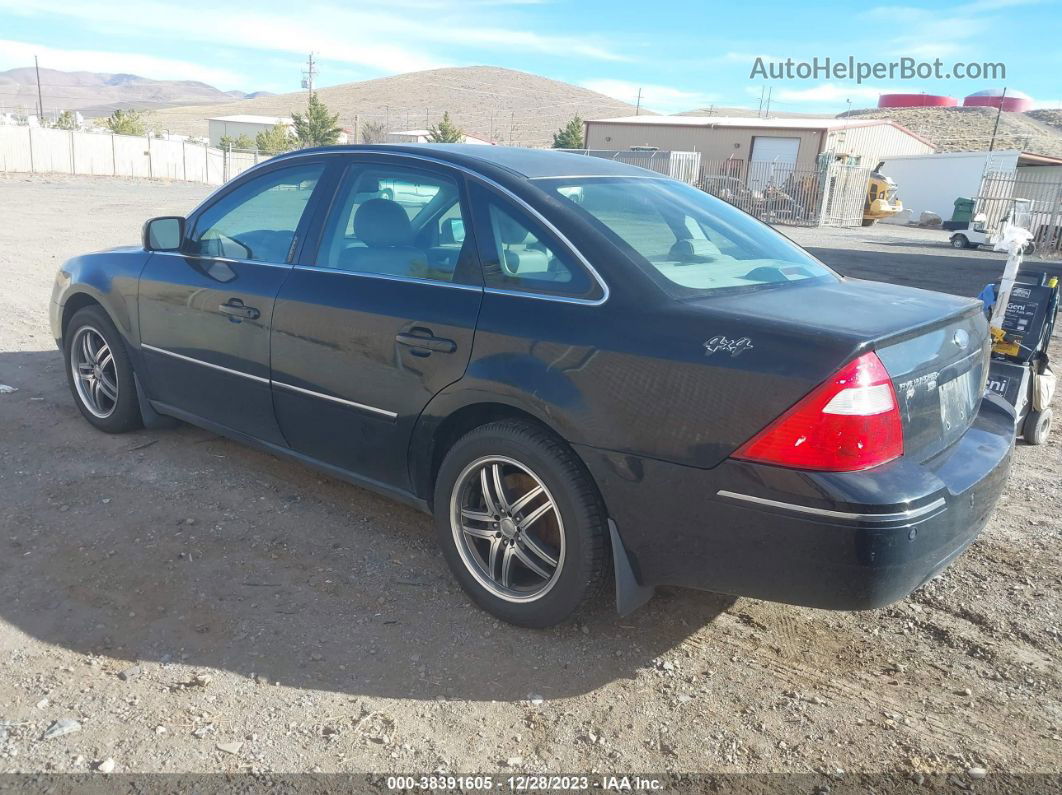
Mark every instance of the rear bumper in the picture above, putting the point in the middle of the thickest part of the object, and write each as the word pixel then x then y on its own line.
pixel 843 541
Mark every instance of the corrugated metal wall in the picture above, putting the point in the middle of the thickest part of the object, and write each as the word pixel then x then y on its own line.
pixel 714 143
pixel 875 143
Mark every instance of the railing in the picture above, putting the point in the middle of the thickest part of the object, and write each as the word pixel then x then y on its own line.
pixel 996 198
pixel 684 166
pixel 779 192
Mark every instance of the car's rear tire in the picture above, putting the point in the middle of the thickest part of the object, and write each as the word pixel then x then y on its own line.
pixel 959 241
pixel 99 372
pixel 535 554
pixel 1037 426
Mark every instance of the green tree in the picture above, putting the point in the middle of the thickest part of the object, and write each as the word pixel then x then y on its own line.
pixel 275 140
pixel 125 122
pixel 241 141
pixel 66 121
pixel 570 136
pixel 316 127
pixel 373 132
pixel 446 132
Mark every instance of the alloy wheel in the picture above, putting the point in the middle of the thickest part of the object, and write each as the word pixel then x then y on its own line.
pixel 95 372
pixel 507 528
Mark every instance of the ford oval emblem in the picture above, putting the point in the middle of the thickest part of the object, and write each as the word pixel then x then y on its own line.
pixel 961 339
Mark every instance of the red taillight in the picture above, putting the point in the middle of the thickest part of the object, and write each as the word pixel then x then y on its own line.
pixel 849 422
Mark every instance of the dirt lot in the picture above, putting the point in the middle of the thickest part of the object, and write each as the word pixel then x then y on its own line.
pixel 282 621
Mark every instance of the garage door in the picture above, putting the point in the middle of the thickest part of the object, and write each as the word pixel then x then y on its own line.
pixel 773 160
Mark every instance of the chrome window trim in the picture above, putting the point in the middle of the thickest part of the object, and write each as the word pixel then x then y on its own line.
pixel 604 176
pixel 212 366
pixel 389 277
pixel 912 513
pixel 383 412
pixel 362 406
pixel 605 292
pixel 200 257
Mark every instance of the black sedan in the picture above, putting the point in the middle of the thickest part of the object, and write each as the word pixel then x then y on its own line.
pixel 584 370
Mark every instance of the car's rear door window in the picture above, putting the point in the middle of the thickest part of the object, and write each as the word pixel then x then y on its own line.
pixel 257 220
pixel 396 220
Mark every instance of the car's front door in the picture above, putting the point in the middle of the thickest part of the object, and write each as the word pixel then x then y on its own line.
pixel 381 322
pixel 205 311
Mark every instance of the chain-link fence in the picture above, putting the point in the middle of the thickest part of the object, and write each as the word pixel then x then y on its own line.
pixel 996 198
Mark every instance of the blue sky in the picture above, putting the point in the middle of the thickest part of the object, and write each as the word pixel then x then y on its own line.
pixel 682 54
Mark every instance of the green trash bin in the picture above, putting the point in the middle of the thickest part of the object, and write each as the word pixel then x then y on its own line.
pixel 964 210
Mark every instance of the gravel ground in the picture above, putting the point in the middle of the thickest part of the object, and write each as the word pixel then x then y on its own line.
pixel 198 606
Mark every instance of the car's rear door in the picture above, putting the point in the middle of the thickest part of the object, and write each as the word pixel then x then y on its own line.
pixel 381 321
pixel 205 311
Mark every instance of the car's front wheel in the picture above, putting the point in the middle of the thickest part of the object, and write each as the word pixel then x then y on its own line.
pixel 99 372
pixel 521 523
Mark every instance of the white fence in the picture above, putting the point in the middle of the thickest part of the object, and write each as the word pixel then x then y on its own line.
pixel 40 150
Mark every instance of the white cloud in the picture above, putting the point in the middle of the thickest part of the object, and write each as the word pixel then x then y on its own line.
pixel 20 53
pixel 384 37
pixel 665 99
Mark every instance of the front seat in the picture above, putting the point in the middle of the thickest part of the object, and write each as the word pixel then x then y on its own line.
pixel 383 226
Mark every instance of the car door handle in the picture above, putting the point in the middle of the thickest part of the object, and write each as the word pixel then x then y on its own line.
pixel 427 342
pixel 234 307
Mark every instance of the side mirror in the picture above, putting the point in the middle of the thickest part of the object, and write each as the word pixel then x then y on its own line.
pixel 453 230
pixel 164 234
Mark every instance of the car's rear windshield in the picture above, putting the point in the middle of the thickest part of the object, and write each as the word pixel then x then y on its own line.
pixel 691 243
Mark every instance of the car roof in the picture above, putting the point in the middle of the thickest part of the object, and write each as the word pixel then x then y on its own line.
pixel 526 163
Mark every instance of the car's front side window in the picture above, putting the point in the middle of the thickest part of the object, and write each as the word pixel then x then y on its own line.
pixel 257 221
pixel 395 221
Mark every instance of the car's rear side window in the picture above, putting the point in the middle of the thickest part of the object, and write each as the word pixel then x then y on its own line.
pixel 688 241
pixel 257 220
pixel 520 255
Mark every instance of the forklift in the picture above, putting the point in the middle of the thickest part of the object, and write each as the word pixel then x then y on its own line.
pixel 1022 309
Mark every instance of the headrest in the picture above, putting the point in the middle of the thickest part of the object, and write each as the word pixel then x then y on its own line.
pixel 510 231
pixel 382 222
pixel 689 250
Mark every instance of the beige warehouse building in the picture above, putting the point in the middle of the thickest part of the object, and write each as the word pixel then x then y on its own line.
pixel 795 141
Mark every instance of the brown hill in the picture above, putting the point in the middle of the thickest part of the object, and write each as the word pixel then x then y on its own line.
pixel 501 105
pixel 97 93
pixel 970 129
pixel 722 110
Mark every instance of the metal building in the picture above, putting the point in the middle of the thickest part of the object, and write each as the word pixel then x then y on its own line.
pixel 790 140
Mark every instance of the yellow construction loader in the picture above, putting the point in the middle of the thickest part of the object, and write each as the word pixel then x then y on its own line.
pixel 881 198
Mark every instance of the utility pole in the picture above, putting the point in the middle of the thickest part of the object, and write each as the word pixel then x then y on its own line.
pixel 999 112
pixel 767 113
pixel 638 104
pixel 759 110
pixel 309 74
pixel 40 98
pixel 357 128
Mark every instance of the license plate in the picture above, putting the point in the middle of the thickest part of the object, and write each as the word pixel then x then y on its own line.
pixel 958 399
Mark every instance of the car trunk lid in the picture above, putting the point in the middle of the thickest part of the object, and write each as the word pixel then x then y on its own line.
pixel 934 346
